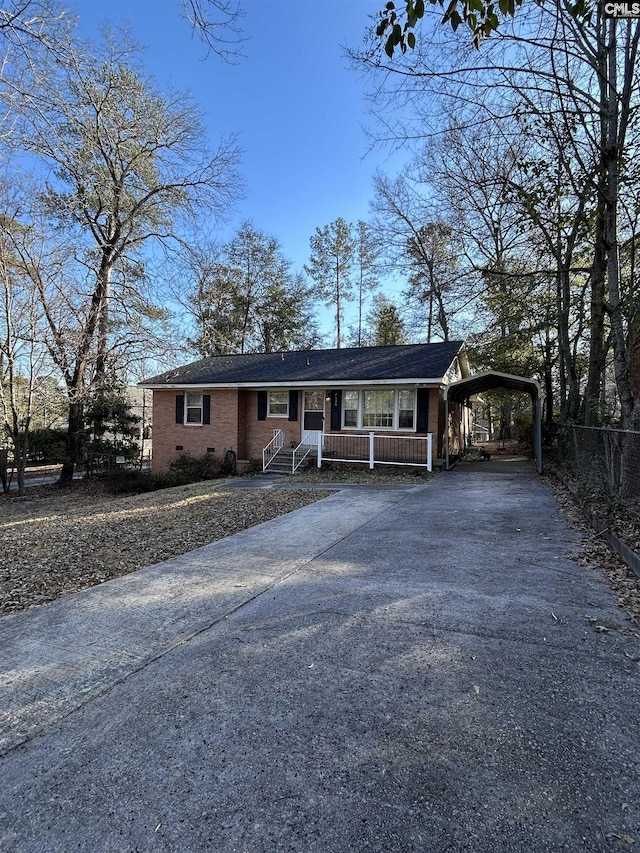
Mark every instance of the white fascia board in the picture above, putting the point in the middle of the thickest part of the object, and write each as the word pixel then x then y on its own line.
pixel 345 383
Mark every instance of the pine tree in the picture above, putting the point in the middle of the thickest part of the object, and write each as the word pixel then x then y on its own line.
pixel 386 324
pixel 367 253
pixel 331 267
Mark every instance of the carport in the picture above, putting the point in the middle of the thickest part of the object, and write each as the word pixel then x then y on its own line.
pixel 459 392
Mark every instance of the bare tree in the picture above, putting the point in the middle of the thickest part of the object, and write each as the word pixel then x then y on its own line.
pixel 418 243
pixel 578 71
pixel 31 24
pixel 128 165
pixel 26 25
pixel 22 349
pixel 217 23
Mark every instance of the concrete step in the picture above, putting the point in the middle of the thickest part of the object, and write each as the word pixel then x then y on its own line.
pixel 280 468
pixel 282 462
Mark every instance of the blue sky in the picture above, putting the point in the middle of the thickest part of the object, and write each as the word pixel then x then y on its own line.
pixel 297 107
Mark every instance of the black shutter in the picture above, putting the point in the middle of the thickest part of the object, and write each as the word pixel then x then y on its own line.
pixel 293 405
pixel 336 411
pixel 206 408
pixel 262 405
pixel 422 420
pixel 179 408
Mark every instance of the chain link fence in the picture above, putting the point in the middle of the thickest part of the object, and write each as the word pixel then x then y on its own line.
pixel 596 455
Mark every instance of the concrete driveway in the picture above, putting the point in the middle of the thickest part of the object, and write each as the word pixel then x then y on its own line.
pixel 385 670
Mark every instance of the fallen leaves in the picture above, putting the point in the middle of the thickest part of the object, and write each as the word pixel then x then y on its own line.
pixel 596 554
pixel 55 542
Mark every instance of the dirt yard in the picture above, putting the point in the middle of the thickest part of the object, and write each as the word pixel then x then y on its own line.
pixel 54 542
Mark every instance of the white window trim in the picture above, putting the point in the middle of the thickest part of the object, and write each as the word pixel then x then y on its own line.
pixel 277 414
pixel 358 408
pixel 415 410
pixel 186 407
pixel 394 419
pixel 396 411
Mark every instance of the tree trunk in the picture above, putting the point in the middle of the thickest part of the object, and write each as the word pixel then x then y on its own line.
pixel 21 448
pixel 634 354
pixel 442 318
pixel 505 421
pixel 612 145
pixel 548 394
pixel 431 291
pixel 73 444
pixel 630 467
pixel 569 378
pixel 4 460
pixel 103 328
pixel 360 308
pixel 596 322
pixel 338 307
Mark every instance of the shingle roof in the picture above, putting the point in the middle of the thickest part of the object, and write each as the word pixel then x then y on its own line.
pixel 412 361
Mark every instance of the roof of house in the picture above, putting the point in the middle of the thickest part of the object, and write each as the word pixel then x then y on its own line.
pixel 419 362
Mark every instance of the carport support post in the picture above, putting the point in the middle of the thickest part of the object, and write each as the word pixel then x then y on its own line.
pixel 446 430
pixel 537 429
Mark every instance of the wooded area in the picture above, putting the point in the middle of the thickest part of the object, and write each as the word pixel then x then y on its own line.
pixel 513 224
pixel 523 130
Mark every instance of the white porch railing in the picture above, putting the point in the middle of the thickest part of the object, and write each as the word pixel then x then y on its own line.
pixel 276 444
pixel 377 449
pixel 310 441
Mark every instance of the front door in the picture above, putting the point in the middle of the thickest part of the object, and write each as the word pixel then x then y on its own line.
pixel 313 418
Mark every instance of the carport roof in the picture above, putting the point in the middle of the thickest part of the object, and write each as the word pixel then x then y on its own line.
pixel 458 392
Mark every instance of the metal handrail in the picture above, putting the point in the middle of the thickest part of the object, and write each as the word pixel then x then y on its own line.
pixel 303 449
pixel 269 452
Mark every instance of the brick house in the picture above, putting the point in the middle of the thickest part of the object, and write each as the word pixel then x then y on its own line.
pixel 245 403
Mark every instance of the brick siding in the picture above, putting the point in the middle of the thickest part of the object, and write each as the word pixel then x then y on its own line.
pixel 260 433
pixel 221 433
pixel 235 426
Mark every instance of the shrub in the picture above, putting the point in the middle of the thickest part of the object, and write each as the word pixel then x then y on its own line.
pixel 183 470
pixel 131 481
pixel 191 469
pixel 47 445
pixel 252 466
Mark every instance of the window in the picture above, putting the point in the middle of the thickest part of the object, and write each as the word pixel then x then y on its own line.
pixel 377 410
pixel 350 406
pixel 278 404
pixel 193 407
pixel 406 408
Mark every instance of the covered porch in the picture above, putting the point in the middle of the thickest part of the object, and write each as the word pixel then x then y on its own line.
pixel 369 449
